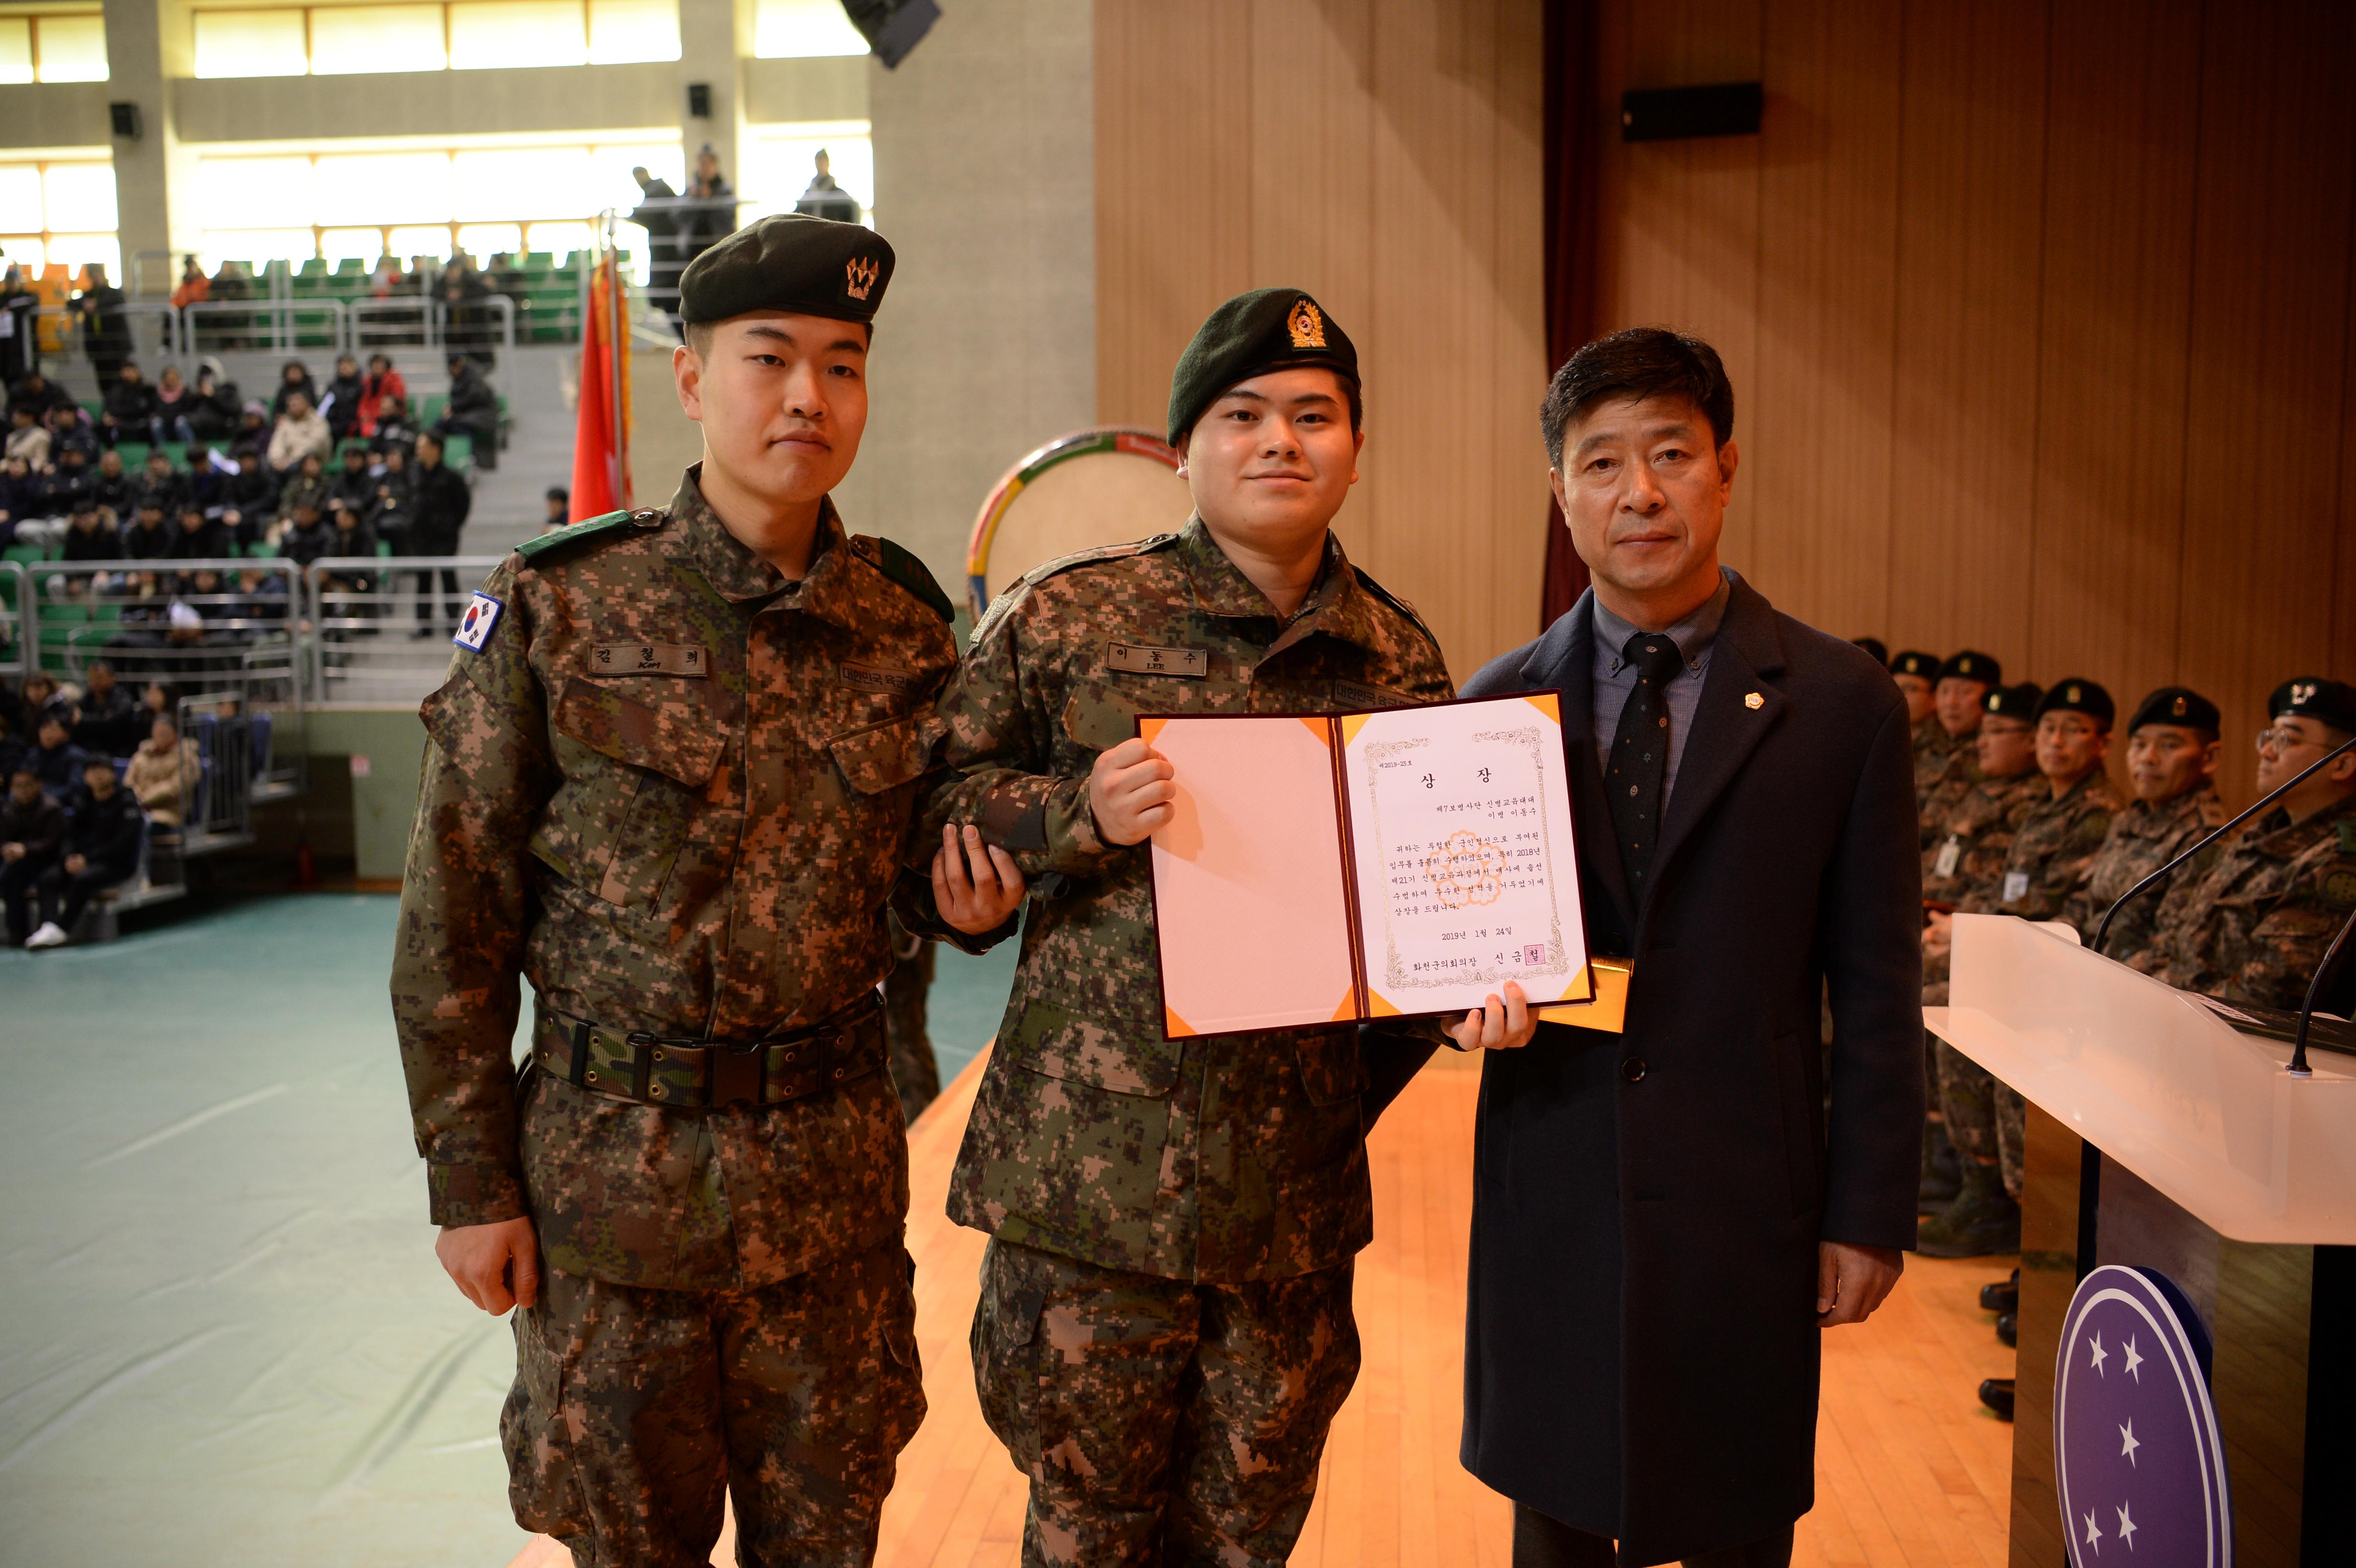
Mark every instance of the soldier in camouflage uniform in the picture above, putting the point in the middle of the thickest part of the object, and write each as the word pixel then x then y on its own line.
pixel 1970 852
pixel 915 1071
pixel 671 780
pixel 1164 1331
pixel 2052 851
pixel 1917 675
pixel 2172 756
pixel 1946 763
pixel 2255 925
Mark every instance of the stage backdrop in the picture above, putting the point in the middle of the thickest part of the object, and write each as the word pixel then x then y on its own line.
pixel 1386 155
pixel 2038 316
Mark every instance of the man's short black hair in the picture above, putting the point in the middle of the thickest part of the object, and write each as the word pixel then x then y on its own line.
pixel 1640 362
pixel 99 760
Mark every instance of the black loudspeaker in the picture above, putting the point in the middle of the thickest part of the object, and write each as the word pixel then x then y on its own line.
pixel 892 27
pixel 1677 113
pixel 699 99
pixel 125 117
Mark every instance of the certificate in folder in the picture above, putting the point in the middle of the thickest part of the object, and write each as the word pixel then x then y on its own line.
pixel 1399 863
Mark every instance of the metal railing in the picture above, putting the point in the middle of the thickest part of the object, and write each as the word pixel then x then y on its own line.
pixel 152 328
pixel 16 623
pixel 380 626
pixel 158 330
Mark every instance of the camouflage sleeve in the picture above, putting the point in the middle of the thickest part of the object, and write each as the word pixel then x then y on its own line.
pixel 464 914
pixel 1004 712
pixel 2288 945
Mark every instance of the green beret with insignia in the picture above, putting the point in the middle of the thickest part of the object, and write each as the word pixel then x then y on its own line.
pixel 1971 665
pixel 1877 647
pixel 2079 695
pixel 1916 663
pixel 1252 333
pixel 791 261
pixel 2011 701
pixel 2178 705
pixel 2314 696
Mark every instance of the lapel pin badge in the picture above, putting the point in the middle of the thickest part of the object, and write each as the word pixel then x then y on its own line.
pixel 1754 701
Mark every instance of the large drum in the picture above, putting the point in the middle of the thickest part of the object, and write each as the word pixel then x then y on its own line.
pixel 1092 487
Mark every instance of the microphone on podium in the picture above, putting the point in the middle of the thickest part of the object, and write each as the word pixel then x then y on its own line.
pixel 2314 988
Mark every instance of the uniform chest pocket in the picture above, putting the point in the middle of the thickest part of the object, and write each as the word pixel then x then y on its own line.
pixel 880 758
pixel 633 774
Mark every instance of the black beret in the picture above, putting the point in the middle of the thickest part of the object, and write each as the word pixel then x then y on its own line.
pixel 2011 701
pixel 1267 329
pixel 1922 664
pixel 1877 647
pixel 2313 697
pixel 790 262
pixel 2177 705
pixel 1971 665
pixel 2079 695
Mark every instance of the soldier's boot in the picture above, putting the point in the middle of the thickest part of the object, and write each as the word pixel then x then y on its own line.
pixel 2002 1295
pixel 2007 1328
pixel 1942 1175
pixel 1997 1395
pixel 1982 1220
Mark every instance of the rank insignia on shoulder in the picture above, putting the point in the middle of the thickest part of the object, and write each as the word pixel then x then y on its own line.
pixel 2347 837
pixel 475 625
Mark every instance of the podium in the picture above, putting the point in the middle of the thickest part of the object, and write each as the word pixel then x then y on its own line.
pixel 2164 1132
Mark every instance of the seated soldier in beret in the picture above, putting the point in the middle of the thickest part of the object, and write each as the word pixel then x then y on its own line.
pixel 1959 695
pixel 670 779
pixel 2254 920
pixel 2173 751
pixel 1164 1331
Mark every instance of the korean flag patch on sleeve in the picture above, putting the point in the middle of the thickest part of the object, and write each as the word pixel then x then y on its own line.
pixel 475 625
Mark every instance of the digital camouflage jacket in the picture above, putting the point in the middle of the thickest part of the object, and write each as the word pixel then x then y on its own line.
pixel 1965 862
pixel 1935 753
pixel 2255 927
pixel 1225 1159
pixel 2143 839
pixel 672 791
pixel 2052 851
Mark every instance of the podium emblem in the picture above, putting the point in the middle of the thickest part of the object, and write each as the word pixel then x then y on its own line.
pixel 2137 1457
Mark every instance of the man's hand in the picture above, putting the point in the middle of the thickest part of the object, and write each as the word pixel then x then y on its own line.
pixel 1129 792
pixel 12 853
pixel 1851 1281
pixel 1939 936
pixel 1507 1025
pixel 496 1267
pixel 76 865
pixel 975 886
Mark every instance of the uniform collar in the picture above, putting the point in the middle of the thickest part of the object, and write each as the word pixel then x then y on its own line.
pixel 739 576
pixel 1337 605
pixel 2276 834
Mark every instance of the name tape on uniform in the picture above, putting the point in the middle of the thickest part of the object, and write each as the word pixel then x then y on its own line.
pixel 649 658
pixel 475 625
pixel 1352 694
pixel 1139 658
pixel 874 677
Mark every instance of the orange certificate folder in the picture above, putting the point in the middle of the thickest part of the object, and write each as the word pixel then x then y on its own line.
pixel 1399 863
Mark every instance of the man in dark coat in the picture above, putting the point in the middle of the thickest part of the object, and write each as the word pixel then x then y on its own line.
pixel 440 500
pixel 1665 1219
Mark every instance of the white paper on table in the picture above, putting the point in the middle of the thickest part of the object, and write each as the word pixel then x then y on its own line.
pixel 1467 871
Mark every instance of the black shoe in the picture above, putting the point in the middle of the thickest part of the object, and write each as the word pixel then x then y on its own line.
pixel 2004 1296
pixel 1982 1220
pixel 1997 1395
pixel 1942 1175
pixel 2007 1327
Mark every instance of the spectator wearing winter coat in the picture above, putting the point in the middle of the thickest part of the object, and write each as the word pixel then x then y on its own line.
pixel 32 829
pixel 101 851
pixel 129 410
pixel 300 432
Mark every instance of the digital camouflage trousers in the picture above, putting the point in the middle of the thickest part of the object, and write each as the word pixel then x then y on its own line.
pixel 1163 1422
pixel 1987 1120
pixel 633 1409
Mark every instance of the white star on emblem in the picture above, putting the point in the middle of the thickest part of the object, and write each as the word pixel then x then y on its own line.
pixel 2133 1361
pixel 2096 1360
pixel 2127 1443
pixel 2094 1535
pixel 2127 1527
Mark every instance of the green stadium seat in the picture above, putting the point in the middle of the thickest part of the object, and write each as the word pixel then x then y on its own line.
pixel 384 549
pixel 260 552
pixel 458 451
pixel 135 453
pixel 351 267
pixel 539 261
pixel 27 554
pixel 178 451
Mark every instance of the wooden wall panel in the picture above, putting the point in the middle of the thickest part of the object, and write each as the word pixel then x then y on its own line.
pixel 2039 316
pixel 1385 155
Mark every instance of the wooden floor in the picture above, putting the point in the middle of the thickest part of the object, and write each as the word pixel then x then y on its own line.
pixel 1909 1470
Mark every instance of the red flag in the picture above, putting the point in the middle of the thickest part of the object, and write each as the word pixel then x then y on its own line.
pixel 601 479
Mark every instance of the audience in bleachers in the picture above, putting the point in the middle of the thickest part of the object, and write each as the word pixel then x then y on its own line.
pixel 101 850
pixel 381 383
pixel 339 405
pixel 105 716
pixel 174 404
pixel 55 759
pixel 299 433
pixel 473 410
pixel 559 509
pixel 160 770
pixel 131 410
pixel 32 830
pixel 294 378
pixel 111 486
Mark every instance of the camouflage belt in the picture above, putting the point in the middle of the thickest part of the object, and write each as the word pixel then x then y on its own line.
pixel 694 1075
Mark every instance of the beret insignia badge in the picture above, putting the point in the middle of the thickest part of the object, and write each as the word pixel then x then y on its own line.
pixel 859 276
pixel 2176 708
pixel 2074 695
pixel 2301 690
pixel 1306 324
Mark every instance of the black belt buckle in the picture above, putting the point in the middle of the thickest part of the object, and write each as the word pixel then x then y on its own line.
pixel 736 1074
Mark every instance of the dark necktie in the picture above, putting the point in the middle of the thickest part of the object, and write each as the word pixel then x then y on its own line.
pixel 1639 765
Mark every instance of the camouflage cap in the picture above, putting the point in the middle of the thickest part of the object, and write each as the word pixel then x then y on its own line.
pixel 1252 333
pixel 2178 705
pixel 1877 647
pixel 1971 665
pixel 2079 695
pixel 1916 663
pixel 2314 696
pixel 791 261
pixel 2011 701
